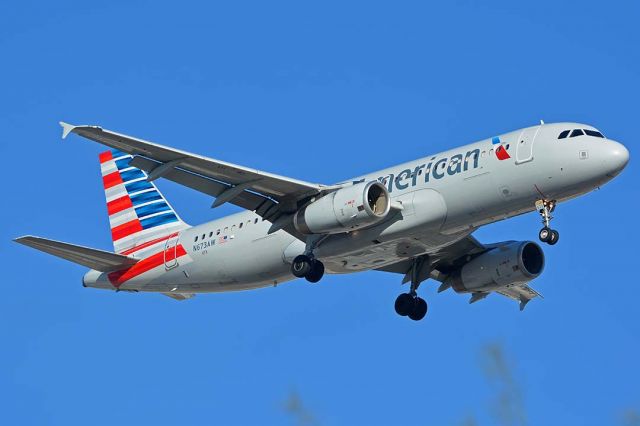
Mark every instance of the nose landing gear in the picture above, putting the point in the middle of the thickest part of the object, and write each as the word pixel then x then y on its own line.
pixel 546 234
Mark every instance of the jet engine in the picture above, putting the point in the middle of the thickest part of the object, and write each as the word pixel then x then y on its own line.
pixel 346 209
pixel 507 264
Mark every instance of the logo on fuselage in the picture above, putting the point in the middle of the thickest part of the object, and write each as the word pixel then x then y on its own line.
pixel 501 151
pixel 436 168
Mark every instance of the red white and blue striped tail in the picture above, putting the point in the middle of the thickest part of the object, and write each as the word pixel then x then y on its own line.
pixel 138 213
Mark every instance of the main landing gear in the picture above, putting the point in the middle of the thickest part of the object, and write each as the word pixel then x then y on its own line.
pixel 410 304
pixel 546 234
pixel 307 267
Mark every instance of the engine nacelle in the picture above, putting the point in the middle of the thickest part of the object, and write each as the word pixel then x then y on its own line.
pixel 511 263
pixel 346 209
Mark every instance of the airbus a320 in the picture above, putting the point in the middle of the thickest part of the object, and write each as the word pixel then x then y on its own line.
pixel 415 219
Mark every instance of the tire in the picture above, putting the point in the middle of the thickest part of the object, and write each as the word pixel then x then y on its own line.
pixel 553 237
pixel 545 234
pixel 404 304
pixel 301 266
pixel 316 272
pixel 419 309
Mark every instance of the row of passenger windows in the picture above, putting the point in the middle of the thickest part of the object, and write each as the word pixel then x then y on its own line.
pixel 580 132
pixel 226 229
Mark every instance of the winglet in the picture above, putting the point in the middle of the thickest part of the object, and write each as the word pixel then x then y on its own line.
pixel 66 129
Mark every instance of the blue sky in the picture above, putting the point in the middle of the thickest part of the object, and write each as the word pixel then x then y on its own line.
pixel 321 92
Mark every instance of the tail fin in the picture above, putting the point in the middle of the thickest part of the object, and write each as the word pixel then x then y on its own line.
pixel 138 213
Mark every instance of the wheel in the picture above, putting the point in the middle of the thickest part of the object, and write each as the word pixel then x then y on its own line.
pixel 316 272
pixel 553 237
pixel 545 234
pixel 419 309
pixel 404 304
pixel 301 266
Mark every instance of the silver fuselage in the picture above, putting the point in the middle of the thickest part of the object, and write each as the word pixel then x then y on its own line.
pixel 443 198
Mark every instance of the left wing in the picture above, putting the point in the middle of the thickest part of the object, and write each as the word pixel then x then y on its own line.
pixel 439 265
pixel 271 196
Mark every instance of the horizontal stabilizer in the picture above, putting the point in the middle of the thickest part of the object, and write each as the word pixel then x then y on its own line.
pixel 180 296
pixel 99 260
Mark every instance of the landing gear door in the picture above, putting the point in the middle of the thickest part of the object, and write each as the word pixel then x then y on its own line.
pixel 524 149
pixel 171 252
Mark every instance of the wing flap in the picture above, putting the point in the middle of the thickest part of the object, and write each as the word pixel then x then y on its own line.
pixel 520 293
pixel 99 260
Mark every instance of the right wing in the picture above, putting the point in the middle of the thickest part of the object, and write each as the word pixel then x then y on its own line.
pixel 99 260
pixel 271 196
pixel 439 265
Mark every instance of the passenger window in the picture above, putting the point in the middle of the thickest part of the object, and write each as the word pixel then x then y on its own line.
pixel 210 234
pixel 564 134
pixel 195 239
pixel 256 221
pixel 204 236
pixel 240 226
pixel 576 132
pixel 595 133
pixel 218 232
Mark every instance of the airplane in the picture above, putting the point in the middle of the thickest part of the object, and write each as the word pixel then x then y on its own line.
pixel 414 219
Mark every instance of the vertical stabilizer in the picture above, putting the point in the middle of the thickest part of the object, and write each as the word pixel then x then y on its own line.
pixel 138 213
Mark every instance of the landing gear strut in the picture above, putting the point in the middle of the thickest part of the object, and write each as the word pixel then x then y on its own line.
pixel 410 304
pixel 307 267
pixel 546 234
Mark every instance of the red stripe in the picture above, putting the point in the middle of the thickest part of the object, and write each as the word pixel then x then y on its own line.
pixel 119 204
pixel 117 278
pixel 147 244
pixel 112 179
pixel 105 156
pixel 126 229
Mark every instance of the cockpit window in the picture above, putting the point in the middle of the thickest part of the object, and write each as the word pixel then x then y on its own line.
pixel 576 132
pixel 564 134
pixel 595 133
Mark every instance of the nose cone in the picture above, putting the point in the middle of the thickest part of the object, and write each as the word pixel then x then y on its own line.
pixel 617 158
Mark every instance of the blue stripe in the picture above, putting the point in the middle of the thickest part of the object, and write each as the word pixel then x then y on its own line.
pixel 158 220
pixel 123 163
pixel 131 175
pixel 152 208
pixel 138 186
pixel 117 153
pixel 495 140
pixel 145 196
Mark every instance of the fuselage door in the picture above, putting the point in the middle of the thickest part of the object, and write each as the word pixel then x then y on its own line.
pixel 171 252
pixel 524 149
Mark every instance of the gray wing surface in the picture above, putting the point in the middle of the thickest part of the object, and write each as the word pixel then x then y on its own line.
pixel 99 260
pixel 454 256
pixel 271 196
